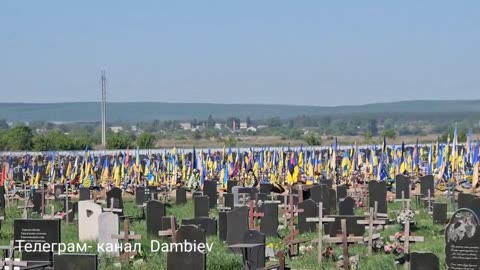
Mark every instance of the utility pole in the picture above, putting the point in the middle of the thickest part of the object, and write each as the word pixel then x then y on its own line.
pixel 104 109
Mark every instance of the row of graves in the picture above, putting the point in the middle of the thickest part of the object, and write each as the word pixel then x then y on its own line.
pixel 246 216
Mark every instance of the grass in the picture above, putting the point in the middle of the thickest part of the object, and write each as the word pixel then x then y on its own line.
pixel 219 258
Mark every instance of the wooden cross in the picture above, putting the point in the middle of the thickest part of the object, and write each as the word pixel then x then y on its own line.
pixel 111 209
pixel 344 240
pixel 406 239
pixel 371 223
pixel 222 207
pixel 291 242
pixel 284 207
pixel 405 202
pixel 42 191
pixel 429 200
pixel 300 193
pixel 320 221
pixel 67 198
pixel 126 237
pixel 172 232
pixel 26 204
pixel 252 214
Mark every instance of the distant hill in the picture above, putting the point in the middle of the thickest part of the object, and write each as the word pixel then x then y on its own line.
pixel 146 111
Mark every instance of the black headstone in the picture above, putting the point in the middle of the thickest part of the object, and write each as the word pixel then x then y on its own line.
pixel 205 223
pixel 327 182
pixel 426 184
pixel 462 238
pixel 256 260
pixel 237 226
pixel 269 221
pixel 266 188
pixel 439 213
pixel 140 196
pixel 321 193
pixel 188 260
pixel 200 206
pixel 352 226
pixel 116 194
pixel 341 192
pixel 75 261
pixel 346 207
pixel 37 202
pixel 154 211
pixel 222 226
pixel 84 194
pixel 377 192
pixel 424 261
pixel 228 197
pixel 181 195
pixel 230 185
pixel 309 210
pixel 36 231
pixel 210 190
pixel 469 201
pixel 402 184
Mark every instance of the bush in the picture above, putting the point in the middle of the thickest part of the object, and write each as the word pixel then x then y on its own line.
pixel 312 139
pixel 146 140
pixel 120 140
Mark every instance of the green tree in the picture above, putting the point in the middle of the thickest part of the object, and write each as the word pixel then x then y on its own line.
pixel 210 122
pixel 231 142
pixel 312 139
pixel 19 138
pixel 368 136
pixel 390 133
pixel 120 140
pixel 146 140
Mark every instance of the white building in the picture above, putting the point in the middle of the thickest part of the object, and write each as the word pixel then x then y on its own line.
pixel 116 129
pixel 186 126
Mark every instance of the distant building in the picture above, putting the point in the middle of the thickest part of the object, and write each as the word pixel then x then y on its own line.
pixel 134 128
pixel 186 126
pixel 262 126
pixel 252 129
pixel 218 126
pixel 243 125
pixel 116 129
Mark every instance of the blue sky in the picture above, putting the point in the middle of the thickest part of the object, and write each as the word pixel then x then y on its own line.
pixel 275 52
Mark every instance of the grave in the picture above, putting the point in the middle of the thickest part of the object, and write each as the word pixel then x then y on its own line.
pixel 344 239
pixel 353 228
pixel 378 193
pixel 200 206
pixel 333 200
pixel 320 220
pixel 237 226
pixel 254 257
pixel 115 194
pixel 75 261
pixel 462 238
pixel 427 184
pixel 230 185
pixel 440 213
pixel 188 260
pixel 208 224
pixel 140 195
pixel 88 213
pixel 309 211
pixel 84 194
pixel 210 190
pixel 169 228
pixel 228 200
pixel 341 192
pixel 108 226
pixel 126 236
pixel 180 195
pixel 154 212
pixel 321 193
pixel 402 185
pixel 36 231
pixel 253 214
pixel 469 201
pixel 269 223
pixel 424 261
pixel 266 188
pixel 346 206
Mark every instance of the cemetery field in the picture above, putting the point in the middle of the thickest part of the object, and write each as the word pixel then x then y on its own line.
pixel 220 258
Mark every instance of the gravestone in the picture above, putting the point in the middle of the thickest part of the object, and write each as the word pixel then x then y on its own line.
pixel 377 192
pixel 108 225
pixel 200 206
pixel 402 184
pixel 333 200
pixel 180 195
pixel 209 225
pixel 88 213
pixel 346 207
pixel 326 182
pixel 237 226
pixel 266 188
pixel 84 194
pixel 116 194
pixel 462 238
pixel 140 196
pixel 230 185
pixel 256 259
pixel 36 231
pixel 210 190
pixel 426 184
pixel 188 260
pixel 37 202
pixel 353 228
pixel 309 211
pixel 269 221
pixel 222 225
pixel 236 194
pixel 167 223
pixel 261 197
pixel 75 261
pixel 154 212
pixel 151 192
pixel 469 201
pixel 228 198
pixel 440 213
pixel 341 192
pixel 321 193
pixel 424 261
